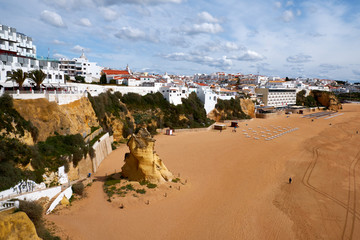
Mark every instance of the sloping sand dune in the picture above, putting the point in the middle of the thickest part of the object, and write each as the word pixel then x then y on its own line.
pixel 237 186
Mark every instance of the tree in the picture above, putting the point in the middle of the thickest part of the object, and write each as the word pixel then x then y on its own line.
pixel 103 79
pixel 66 77
pixel 18 76
pixel 80 79
pixel 38 76
pixel 287 79
pixel 300 98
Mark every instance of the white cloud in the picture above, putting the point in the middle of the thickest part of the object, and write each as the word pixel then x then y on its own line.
pixel 58 56
pixel 52 18
pixel 289 3
pixel 207 17
pixel 108 14
pixel 300 58
pixel 278 4
pixel 298 13
pixel 202 28
pixel 85 22
pixel 141 2
pixel 288 16
pixel 356 72
pixel 250 56
pixel 223 62
pixel 58 42
pixel 70 5
pixel 329 67
pixel 79 49
pixel 135 34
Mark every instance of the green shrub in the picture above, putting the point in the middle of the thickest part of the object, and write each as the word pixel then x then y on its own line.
pixel 111 182
pixel 175 180
pixel 141 191
pixel 35 212
pixel 78 188
pixel 129 187
pixel 151 185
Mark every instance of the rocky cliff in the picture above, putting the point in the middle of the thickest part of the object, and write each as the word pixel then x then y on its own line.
pixel 14 226
pixel 142 163
pixel 327 99
pixel 49 117
pixel 248 107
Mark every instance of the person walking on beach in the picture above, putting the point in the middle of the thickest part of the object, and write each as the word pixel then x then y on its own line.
pixel 290 180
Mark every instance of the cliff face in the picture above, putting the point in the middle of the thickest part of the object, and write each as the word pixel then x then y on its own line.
pixel 14 226
pixel 328 100
pixel 248 107
pixel 142 163
pixel 48 117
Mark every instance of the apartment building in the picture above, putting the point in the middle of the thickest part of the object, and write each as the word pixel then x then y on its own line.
pixel 277 97
pixel 81 66
pixel 17 51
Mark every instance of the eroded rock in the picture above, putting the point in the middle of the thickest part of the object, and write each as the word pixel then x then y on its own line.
pixel 142 163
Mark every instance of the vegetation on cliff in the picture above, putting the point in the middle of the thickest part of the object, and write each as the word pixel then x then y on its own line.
pixel 318 98
pixel 231 109
pixel 151 111
pixel 35 212
pixel 55 152
pixel 12 122
pixel 349 96
pixel 308 101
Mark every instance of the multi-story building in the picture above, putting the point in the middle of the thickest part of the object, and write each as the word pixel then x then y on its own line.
pixel 277 97
pixel 81 67
pixel 17 51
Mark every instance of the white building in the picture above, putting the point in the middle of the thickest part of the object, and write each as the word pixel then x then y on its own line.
pixel 277 97
pixel 18 52
pixel 173 94
pixel 81 67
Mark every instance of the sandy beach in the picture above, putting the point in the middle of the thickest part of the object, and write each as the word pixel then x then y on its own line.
pixel 237 186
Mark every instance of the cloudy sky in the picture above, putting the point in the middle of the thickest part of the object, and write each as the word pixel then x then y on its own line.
pixel 315 38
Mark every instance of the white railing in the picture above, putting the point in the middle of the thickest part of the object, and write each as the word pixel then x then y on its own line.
pixel 8 204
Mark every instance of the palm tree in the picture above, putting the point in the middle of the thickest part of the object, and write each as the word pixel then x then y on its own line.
pixel 38 76
pixel 18 76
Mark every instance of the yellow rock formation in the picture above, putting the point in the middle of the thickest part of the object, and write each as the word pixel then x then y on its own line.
pixel 328 100
pixel 49 117
pixel 15 226
pixel 64 201
pixel 142 163
pixel 248 107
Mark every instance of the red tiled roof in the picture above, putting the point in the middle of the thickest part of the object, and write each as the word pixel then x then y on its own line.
pixel 201 84
pixel 116 72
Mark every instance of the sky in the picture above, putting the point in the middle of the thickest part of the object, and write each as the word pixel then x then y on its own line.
pixel 296 38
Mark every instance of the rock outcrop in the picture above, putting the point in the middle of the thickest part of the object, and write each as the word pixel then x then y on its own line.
pixel 49 117
pixel 248 107
pixel 327 99
pixel 142 163
pixel 14 226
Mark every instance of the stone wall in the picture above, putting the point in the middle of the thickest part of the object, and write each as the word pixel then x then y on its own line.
pixel 102 150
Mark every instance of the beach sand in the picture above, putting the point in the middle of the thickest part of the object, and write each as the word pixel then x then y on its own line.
pixel 237 186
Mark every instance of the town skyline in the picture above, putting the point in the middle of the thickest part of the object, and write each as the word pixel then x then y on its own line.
pixel 276 38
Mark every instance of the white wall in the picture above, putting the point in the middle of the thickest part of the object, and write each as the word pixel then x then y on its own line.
pixel 67 193
pixel 49 192
pixel 102 150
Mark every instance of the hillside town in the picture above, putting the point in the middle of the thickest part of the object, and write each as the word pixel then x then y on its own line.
pixel 67 80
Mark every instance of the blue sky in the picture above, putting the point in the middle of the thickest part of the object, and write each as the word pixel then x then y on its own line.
pixel 312 38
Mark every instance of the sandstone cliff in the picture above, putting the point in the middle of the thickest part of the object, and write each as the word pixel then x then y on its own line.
pixel 327 99
pixel 14 226
pixel 248 107
pixel 142 163
pixel 49 117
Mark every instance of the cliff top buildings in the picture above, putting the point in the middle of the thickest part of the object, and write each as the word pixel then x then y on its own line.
pixel 17 51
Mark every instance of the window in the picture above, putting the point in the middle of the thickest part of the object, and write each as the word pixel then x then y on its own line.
pixel 49 76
